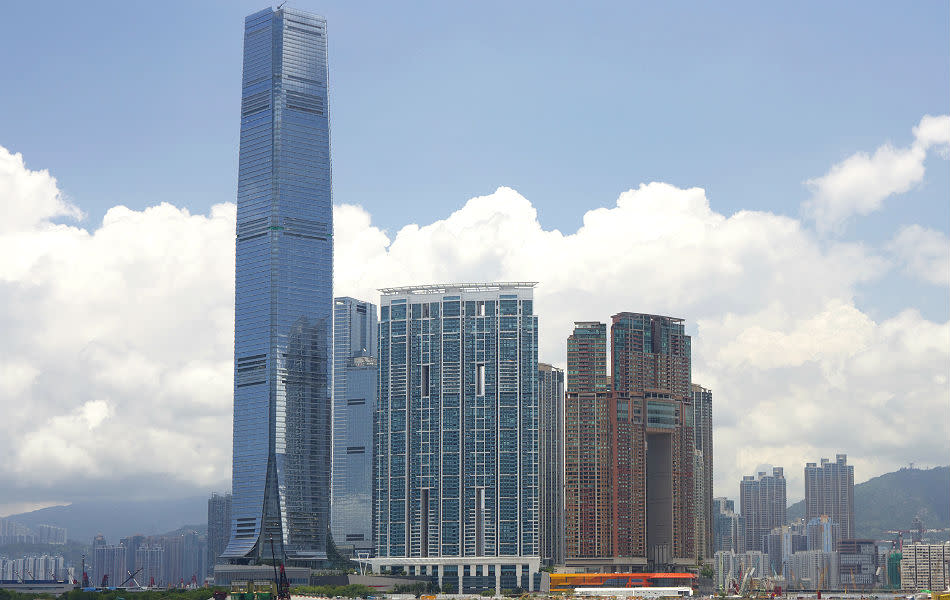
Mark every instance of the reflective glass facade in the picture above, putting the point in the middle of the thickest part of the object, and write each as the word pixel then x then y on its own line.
pixel 457 427
pixel 354 401
pixel 283 292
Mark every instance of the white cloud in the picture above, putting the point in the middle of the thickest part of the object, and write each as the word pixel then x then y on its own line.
pixel 859 184
pixel 119 338
pixel 925 253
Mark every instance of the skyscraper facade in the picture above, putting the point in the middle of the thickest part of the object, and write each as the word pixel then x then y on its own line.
pixel 829 490
pixel 457 435
pixel 629 484
pixel 354 404
pixel 762 502
pixel 219 527
pixel 283 293
pixel 588 501
pixel 703 442
pixel 551 468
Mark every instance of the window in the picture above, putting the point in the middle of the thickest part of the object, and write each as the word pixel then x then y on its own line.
pixel 480 379
pixel 425 380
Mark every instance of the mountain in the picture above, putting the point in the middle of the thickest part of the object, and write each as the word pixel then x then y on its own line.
pixel 117 519
pixel 891 501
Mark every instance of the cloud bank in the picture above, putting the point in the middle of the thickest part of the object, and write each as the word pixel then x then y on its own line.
pixel 115 372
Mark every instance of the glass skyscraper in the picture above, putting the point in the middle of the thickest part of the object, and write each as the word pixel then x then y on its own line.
pixel 283 293
pixel 456 457
pixel 354 401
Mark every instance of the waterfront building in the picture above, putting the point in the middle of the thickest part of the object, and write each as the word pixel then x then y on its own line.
pixel 630 452
pixel 925 566
pixel 283 293
pixel 703 441
pixel 823 533
pixel 354 404
pixel 551 458
pixel 456 457
pixel 762 501
pixel 219 528
pixel 857 563
pixel 829 490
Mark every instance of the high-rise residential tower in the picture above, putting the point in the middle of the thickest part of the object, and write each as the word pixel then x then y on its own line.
pixel 283 293
pixel 551 457
pixel 457 435
pixel 829 490
pixel 762 503
pixel 703 442
pixel 588 503
pixel 354 403
pixel 629 484
pixel 219 527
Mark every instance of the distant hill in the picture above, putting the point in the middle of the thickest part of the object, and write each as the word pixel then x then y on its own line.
pixel 892 500
pixel 116 519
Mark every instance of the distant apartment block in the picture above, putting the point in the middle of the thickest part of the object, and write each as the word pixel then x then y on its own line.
pixel 762 501
pixel 109 566
pixel 829 490
pixel 551 467
pixel 703 441
pixel 219 528
pixel 728 527
pixel 355 324
pixel 822 533
pixel 925 566
pixel 813 569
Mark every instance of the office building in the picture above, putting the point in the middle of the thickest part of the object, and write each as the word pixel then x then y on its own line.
pixel 822 534
pixel 925 566
pixel 457 435
pixel 219 528
pixel 762 502
pixel 857 563
pixel 703 441
pixel 829 490
pixel 630 451
pixel 354 404
pixel 551 458
pixel 283 293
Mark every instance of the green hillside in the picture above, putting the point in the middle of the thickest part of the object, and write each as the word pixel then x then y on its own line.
pixel 892 500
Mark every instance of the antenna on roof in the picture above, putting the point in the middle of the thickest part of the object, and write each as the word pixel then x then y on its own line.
pixel 281 5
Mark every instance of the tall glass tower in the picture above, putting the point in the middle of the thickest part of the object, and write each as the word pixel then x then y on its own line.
pixel 456 455
pixel 354 401
pixel 283 293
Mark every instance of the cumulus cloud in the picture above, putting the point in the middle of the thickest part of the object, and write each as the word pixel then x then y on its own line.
pixel 798 370
pixel 924 253
pixel 859 184
pixel 117 360
pixel 115 371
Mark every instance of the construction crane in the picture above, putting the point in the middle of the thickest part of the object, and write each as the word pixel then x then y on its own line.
pixel 131 578
pixel 821 581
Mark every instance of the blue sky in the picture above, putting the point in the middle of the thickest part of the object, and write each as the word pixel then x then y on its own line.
pixel 435 103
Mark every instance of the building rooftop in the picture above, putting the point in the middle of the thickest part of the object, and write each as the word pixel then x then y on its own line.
pixel 445 288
